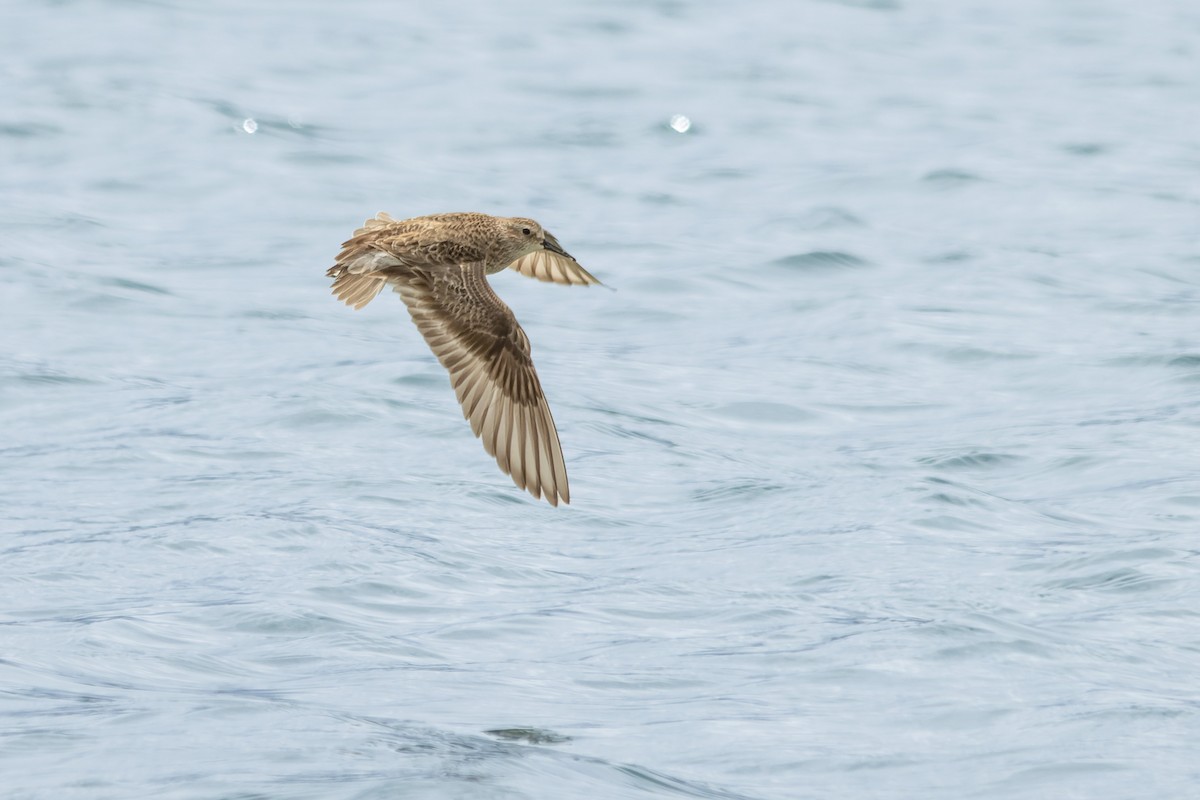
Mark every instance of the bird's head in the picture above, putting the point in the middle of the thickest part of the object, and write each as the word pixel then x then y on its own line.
pixel 527 236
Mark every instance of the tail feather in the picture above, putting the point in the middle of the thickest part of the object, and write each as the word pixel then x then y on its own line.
pixel 378 221
pixel 355 273
pixel 357 289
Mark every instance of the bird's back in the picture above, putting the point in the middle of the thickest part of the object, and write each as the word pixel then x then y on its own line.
pixel 438 240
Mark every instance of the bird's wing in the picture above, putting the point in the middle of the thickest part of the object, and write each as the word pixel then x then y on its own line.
pixel 547 266
pixel 552 263
pixel 477 338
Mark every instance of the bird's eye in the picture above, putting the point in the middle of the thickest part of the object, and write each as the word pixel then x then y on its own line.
pixel 525 231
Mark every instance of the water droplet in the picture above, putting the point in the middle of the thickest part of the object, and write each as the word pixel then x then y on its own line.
pixel 249 125
pixel 680 123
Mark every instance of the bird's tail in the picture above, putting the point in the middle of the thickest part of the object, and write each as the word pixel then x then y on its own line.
pixel 355 273
pixel 355 289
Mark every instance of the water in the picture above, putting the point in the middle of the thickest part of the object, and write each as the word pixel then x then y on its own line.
pixel 883 452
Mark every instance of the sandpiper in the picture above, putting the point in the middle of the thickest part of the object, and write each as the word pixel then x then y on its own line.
pixel 437 264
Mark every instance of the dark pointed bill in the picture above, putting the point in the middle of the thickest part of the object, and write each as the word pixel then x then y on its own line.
pixel 553 246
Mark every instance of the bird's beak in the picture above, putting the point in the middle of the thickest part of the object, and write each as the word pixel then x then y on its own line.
pixel 551 244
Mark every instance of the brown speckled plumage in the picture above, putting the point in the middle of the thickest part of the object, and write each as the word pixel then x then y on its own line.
pixel 438 264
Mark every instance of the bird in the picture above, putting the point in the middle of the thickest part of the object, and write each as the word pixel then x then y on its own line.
pixel 439 264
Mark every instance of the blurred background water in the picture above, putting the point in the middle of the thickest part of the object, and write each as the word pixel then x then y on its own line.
pixel 883 454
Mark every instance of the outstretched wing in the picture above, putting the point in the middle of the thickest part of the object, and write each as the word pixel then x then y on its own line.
pixel 477 338
pixel 553 264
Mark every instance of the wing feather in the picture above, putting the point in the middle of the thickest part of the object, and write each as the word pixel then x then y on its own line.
pixel 553 268
pixel 478 340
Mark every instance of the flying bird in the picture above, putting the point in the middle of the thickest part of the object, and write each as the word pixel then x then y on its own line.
pixel 439 264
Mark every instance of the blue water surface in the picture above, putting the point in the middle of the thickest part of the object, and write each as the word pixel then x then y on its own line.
pixel 884 450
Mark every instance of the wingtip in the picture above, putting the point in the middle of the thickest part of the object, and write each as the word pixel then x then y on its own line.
pixel 588 278
pixel 554 498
